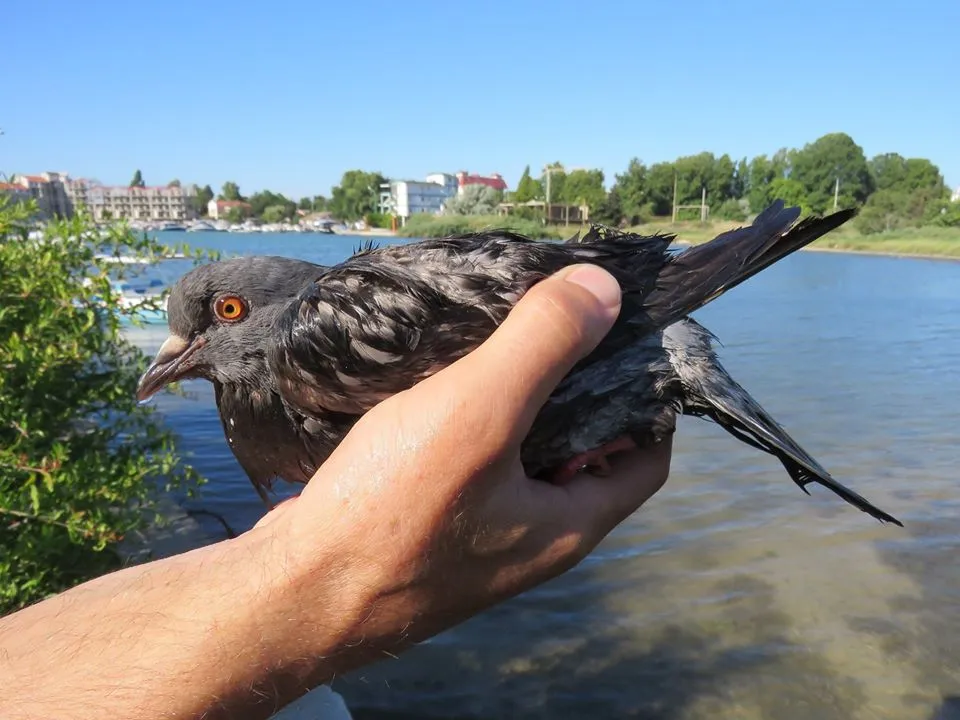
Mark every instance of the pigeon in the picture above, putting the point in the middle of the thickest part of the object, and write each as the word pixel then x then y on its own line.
pixel 298 352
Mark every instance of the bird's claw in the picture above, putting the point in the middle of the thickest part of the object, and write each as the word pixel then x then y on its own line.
pixel 594 461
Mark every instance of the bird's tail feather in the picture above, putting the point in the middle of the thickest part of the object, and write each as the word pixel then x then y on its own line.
pixel 702 273
pixel 732 407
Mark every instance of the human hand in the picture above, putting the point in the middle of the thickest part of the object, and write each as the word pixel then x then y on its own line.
pixel 423 516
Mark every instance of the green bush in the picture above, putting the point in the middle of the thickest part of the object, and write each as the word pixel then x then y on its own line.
pixel 735 210
pixel 378 220
pixel 445 225
pixel 80 462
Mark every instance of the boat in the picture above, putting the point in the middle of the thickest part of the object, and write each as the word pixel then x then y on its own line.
pixel 201 226
pixel 148 307
pixel 172 227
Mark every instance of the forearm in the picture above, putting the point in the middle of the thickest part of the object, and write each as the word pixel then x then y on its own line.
pixel 209 631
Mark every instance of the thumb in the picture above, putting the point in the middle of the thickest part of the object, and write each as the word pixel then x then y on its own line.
pixel 555 324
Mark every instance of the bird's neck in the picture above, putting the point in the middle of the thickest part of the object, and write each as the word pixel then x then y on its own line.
pixel 262 435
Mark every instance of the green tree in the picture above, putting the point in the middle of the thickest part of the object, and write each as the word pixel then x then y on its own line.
pixel 924 175
pixel 741 180
pixel 916 182
pixel 173 183
pixel 762 171
pixel 528 188
pixel 305 204
pixel 610 211
pixel 820 164
pixel 885 210
pixel 584 186
pixel 889 171
pixel 202 199
pixel 275 214
pixel 475 200
pixel 319 203
pixel 81 463
pixel 238 214
pixel 230 191
pixel 357 195
pixel 632 194
pixel 791 191
pixel 556 183
pixel 259 202
pixel 137 180
pixel 660 187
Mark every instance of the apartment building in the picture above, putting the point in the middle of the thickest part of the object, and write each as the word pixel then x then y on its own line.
pixel 114 202
pixel 404 198
pixel 47 189
pixel 59 195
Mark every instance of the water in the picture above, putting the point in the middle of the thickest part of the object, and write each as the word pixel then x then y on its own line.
pixel 731 594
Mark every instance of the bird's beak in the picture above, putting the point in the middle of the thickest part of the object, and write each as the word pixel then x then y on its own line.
pixel 168 366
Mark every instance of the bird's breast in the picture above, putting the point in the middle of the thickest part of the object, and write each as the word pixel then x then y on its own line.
pixel 266 440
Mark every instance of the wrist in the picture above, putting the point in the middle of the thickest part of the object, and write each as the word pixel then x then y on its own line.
pixel 336 599
pixel 309 604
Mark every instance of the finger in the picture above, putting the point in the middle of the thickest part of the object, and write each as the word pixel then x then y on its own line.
pixel 555 324
pixel 635 476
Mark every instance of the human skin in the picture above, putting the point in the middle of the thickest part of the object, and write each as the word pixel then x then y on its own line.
pixel 421 518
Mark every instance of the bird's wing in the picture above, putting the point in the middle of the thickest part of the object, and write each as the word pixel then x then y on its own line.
pixel 385 319
pixel 711 392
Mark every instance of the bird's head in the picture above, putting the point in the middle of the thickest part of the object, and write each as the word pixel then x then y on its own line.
pixel 221 316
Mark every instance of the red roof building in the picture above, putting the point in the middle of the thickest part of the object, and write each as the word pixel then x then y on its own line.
pixel 495 181
pixel 218 209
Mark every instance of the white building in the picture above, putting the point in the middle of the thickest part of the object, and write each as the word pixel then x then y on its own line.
pixel 106 202
pixel 404 198
pixel 219 209
pixel 956 195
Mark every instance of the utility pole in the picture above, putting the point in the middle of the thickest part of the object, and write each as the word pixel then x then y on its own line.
pixel 673 218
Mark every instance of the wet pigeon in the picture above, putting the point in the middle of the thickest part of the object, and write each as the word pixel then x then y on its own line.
pixel 297 352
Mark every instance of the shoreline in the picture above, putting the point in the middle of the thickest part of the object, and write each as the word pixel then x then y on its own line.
pixel 811 248
pixel 854 251
pixel 881 253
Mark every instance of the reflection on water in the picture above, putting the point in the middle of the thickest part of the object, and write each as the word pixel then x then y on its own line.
pixel 731 594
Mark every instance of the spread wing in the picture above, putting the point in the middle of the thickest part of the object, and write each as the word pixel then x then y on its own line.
pixel 384 319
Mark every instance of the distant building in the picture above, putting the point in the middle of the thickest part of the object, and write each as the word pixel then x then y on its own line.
pixel 495 181
pixel 405 198
pixel 219 209
pixel 14 192
pixel 59 195
pixel 956 195
pixel 49 189
pixel 115 202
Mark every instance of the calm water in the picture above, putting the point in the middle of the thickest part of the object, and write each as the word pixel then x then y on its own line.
pixel 731 594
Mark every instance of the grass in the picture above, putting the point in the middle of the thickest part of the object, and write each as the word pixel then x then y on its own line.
pixel 925 241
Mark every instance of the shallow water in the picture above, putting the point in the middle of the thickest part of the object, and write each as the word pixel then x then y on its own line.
pixel 731 594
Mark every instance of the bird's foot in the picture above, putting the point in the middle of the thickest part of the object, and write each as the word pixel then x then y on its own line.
pixel 593 461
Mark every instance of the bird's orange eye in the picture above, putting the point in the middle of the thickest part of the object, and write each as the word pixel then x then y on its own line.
pixel 230 308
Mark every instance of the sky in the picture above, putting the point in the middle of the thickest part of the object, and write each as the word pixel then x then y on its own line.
pixel 287 95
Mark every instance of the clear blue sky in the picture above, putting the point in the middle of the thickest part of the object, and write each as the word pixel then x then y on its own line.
pixel 286 95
